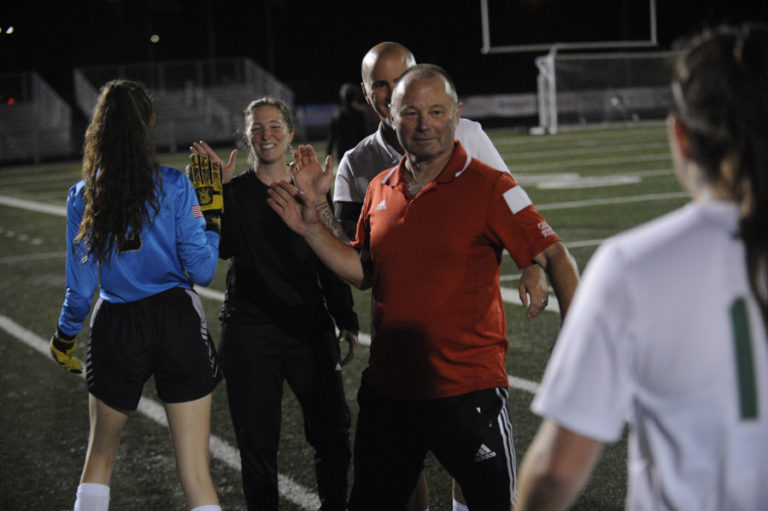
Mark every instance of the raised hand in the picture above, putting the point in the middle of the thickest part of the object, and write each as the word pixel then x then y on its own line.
pixel 294 207
pixel 309 176
pixel 205 176
pixel 228 170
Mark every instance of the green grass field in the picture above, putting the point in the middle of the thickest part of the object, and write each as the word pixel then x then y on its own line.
pixel 588 184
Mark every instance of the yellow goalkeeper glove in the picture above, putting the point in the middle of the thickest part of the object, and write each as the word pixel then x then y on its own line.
pixel 205 175
pixel 62 348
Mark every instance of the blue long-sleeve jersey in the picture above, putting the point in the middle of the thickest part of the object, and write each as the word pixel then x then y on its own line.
pixel 174 250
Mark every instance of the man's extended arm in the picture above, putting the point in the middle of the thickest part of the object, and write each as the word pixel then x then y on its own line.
pixel 332 223
pixel 303 217
pixel 533 286
pixel 315 182
pixel 562 272
pixel 347 213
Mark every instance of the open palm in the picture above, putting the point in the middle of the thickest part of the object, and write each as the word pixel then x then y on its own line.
pixel 309 176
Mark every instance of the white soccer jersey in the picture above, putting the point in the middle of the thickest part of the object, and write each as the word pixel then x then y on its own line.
pixel 664 334
pixel 373 155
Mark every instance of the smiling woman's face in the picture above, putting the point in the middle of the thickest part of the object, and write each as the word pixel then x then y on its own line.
pixel 268 134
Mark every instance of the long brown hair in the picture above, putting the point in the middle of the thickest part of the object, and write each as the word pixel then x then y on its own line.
pixel 720 94
pixel 119 169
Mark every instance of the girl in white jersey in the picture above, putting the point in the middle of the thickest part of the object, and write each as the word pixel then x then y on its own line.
pixel 668 328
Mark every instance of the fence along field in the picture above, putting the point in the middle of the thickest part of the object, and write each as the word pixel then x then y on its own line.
pixel 589 185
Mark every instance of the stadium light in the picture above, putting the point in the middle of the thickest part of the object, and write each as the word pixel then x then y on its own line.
pixel 155 38
pixel 9 30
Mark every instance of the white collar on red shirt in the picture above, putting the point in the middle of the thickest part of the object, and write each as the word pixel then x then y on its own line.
pixel 451 162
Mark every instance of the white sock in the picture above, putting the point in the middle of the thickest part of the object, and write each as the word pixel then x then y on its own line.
pixel 92 497
pixel 458 506
pixel 208 507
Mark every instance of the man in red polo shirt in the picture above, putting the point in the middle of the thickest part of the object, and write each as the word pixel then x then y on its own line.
pixel 429 242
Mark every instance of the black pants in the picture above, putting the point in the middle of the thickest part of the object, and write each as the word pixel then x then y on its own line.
pixel 256 360
pixel 469 434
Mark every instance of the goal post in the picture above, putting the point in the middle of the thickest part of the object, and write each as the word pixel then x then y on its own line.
pixel 626 82
pixel 513 18
pixel 602 88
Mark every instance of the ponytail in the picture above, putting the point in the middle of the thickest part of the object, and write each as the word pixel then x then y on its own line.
pixel 720 94
pixel 119 169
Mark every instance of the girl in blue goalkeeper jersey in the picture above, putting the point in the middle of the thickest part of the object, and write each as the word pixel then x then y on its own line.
pixel 135 230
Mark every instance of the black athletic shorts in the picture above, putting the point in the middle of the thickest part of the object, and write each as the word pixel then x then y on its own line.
pixel 470 435
pixel 164 335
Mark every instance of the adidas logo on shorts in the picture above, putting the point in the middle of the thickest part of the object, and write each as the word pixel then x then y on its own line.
pixel 382 204
pixel 484 453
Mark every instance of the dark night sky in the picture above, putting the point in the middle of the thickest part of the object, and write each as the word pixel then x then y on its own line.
pixel 314 46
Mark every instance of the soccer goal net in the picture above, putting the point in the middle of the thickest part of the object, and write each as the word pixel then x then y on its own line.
pixel 602 88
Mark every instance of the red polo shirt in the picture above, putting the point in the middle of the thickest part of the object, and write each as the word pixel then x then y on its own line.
pixel 437 308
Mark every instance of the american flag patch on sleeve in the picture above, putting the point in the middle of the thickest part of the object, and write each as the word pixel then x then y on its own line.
pixel 196 212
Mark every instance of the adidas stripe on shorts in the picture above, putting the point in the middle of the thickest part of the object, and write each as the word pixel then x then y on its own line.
pixel 470 434
pixel 164 335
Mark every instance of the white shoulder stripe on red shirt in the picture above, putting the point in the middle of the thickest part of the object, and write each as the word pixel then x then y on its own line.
pixel 517 199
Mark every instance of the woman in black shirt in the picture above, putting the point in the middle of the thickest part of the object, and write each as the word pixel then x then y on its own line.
pixel 276 324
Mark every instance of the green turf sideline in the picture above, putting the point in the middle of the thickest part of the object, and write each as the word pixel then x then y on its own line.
pixel 219 449
pixel 65 179
pixel 32 257
pixel 613 200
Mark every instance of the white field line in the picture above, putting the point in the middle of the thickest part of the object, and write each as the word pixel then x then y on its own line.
pixel 612 160
pixel 512 296
pixel 26 179
pixel 33 206
pixel 221 450
pixel 536 178
pixel 614 200
pixel 596 137
pixel 519 156
pixel 569 244
pixel 32 257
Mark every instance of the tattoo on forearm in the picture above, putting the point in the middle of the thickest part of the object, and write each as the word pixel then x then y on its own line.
pixel 330 221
